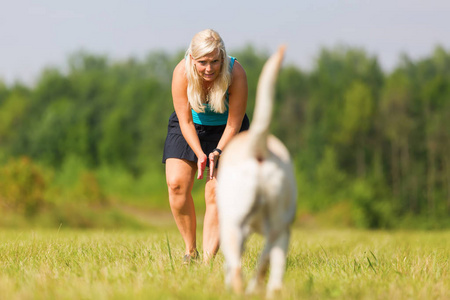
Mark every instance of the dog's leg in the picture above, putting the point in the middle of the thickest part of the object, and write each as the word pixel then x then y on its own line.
pixel 257 281
pixel 278 263
pixel 232 242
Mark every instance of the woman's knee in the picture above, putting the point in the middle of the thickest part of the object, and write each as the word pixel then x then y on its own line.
pixel 210 192
pixel 178 186
pixel 179 176
pixel 179 194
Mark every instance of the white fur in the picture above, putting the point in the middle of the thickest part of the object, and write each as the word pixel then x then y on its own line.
pixel 256 192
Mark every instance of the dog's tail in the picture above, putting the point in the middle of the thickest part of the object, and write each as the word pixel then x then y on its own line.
pixel 259 129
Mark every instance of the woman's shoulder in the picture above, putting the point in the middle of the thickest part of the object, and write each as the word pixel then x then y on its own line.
pixel 179 75
pixel 238 79
pixel 237 71
pixel 180 67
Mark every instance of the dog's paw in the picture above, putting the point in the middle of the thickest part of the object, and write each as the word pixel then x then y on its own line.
pixel 254 287
pixel 238 285
pixel 273 292
pixel 234 280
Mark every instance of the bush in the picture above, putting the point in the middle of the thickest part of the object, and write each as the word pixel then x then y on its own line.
pixel 370 208
pixel 22 187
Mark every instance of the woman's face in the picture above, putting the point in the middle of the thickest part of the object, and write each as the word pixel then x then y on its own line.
pixel 208 66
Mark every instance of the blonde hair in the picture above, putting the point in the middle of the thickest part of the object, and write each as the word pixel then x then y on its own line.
pixel 203 43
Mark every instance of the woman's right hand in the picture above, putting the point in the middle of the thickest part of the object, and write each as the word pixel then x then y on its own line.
pixel 201 165
pixel 184 114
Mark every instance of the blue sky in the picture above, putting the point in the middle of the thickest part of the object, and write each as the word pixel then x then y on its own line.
pixel 39 33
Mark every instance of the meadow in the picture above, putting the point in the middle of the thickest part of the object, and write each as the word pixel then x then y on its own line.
pixel 146 264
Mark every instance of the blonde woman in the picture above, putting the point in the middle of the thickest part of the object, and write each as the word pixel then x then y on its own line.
pixel 209 91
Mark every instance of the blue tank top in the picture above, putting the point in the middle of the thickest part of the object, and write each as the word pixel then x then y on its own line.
pixel 210 117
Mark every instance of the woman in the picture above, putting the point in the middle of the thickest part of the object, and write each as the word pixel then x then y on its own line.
pixel 209 91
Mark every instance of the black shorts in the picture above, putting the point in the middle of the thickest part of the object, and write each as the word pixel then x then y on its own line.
pixel 177 147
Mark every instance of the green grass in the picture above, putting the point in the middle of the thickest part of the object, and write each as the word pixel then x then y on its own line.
pixel 146 264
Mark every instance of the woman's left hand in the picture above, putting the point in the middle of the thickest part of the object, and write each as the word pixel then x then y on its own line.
pixel 213 157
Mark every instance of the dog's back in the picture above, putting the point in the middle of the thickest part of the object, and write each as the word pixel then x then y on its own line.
pixel 256 190
pixel 267 186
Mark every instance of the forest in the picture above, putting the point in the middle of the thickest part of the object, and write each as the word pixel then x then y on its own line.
pixel 82 145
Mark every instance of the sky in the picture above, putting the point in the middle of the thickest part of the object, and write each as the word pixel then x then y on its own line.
pixel 35 34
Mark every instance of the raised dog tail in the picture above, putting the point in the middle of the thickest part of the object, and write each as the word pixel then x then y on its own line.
pixel 259 128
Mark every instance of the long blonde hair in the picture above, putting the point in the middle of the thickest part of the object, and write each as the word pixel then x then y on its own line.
pixel 203 43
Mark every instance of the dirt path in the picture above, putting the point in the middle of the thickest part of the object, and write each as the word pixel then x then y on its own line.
pixel 152 216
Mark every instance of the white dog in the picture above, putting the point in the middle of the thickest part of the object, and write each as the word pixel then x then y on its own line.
pixel 256 192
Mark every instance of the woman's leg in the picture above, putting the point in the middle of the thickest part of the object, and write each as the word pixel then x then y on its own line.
pixel 211 221
pixel 180 180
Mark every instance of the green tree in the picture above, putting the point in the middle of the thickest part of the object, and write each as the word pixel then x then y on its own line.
pixel 397 125
pixel 356 121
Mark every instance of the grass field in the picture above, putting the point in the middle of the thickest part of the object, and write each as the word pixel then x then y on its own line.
pixel 322 264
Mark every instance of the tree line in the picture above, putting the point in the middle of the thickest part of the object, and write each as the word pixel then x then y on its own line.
pixel 368 144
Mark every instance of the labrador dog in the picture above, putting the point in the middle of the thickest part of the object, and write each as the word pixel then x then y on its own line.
pixel 256 192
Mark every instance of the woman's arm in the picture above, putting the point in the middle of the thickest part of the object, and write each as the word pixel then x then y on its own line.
pixel 183 111
pixel 237 101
